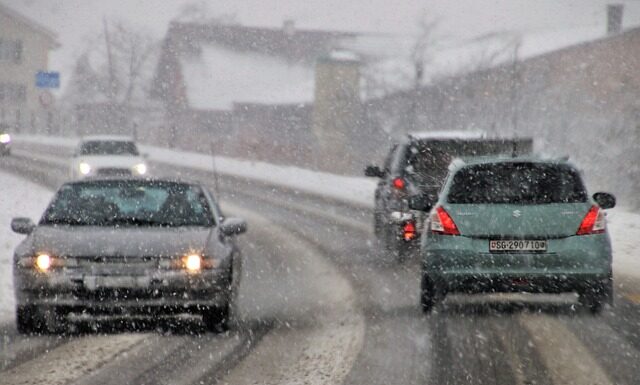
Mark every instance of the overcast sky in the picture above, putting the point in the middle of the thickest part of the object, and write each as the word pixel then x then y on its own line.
pixel 458 20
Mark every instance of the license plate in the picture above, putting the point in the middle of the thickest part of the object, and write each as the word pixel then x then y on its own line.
pixel 93 283
pixel 521 245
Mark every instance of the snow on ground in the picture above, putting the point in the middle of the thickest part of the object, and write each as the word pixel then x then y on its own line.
pixel 624 228
pixel 354 190
pixel 18 198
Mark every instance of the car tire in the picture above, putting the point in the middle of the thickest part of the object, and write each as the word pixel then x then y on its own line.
pixel 594 297
pixel 430 295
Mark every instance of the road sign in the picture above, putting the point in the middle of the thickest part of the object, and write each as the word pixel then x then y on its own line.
pixel 47 79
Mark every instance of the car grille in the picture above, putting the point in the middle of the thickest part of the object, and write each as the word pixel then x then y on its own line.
pixel 130 266
pixel 112 171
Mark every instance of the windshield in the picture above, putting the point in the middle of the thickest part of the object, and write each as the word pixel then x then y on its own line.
pixel 516 183
pixel 108 147
pixel 129 203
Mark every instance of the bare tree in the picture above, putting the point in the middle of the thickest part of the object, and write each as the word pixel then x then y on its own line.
pixel 115 67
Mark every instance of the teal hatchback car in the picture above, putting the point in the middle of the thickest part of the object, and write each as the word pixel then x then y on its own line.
pixel 516 225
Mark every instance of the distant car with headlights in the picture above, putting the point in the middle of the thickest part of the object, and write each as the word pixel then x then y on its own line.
pixel 5 142
pixel 418 165
pixel 126 246
pixel 107 156
pixel 517 225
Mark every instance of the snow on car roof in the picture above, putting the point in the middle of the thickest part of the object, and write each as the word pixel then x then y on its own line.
pixel 122 138
pixel 448 135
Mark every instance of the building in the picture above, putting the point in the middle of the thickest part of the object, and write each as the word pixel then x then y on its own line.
pixel 582 101
pixel 24 50
pixel 253 92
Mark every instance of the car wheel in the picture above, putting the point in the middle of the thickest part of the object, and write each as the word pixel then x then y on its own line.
pixel 216 319
pixel 430 295
pixel 596 296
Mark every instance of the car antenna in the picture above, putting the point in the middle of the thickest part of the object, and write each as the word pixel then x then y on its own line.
pixel 213 168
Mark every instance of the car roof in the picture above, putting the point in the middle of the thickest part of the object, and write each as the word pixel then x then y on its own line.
pixel 118 138
pixel 124 179
pixel 478 160
pixel 459 134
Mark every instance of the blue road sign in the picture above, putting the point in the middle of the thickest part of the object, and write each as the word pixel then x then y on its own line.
pixel 48 79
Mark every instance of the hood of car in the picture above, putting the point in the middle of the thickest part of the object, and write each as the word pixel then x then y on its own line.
pixel 111 161
pixel 78 241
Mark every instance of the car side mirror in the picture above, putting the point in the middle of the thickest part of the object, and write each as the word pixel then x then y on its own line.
pixel 605 200
pixel 233 226
pixel 22 225
pixel 374 171
pixel 420 202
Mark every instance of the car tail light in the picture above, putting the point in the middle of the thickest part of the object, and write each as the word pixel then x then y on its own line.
pixel 399 183
pixel 593 223
pixel 442 223
pixel 409 231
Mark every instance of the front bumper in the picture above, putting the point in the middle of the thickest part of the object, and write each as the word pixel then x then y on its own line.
pixel 160 291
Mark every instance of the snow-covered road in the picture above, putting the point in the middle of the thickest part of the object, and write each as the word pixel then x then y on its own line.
pixel 545 343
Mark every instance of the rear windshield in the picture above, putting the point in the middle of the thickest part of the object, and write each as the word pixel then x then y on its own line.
pixel 108 147
pixel 426 161
pixel 517 183
pixel 129 203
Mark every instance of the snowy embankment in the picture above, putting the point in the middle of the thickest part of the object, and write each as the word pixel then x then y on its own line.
pixel 353 190
pixel 18 198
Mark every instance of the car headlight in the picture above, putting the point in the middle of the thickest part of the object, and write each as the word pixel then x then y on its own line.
pixel 140 168
pixel 5 138
pixel 84 168
pixel 43 262
pixel 192 262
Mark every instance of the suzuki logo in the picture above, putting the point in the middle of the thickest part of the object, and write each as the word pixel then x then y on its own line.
pixel 517 213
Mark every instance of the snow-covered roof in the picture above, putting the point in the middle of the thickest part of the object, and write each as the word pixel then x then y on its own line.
pixel 31 24
pixel 448 135
pixel 117 138
pixel 220 77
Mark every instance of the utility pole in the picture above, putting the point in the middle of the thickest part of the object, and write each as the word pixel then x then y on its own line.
pixel 109 60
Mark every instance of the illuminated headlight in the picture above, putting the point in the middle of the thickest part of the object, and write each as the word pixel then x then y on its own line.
pixel 5 138
pixel 140 168
pixel 84 168
pixel 192 262
pixel 43 262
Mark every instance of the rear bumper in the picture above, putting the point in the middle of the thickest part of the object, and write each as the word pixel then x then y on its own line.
pixel 167 292
pixel 569 264
pixel 528 283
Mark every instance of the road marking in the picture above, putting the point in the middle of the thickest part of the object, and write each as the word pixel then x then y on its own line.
pixel 567 359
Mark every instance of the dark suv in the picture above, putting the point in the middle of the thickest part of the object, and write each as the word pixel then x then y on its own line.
pixel 416 168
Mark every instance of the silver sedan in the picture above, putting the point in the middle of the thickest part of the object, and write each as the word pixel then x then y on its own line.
pixel 126 246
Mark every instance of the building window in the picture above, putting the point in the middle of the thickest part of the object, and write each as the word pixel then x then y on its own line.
pixel 13 92
pixel 11 50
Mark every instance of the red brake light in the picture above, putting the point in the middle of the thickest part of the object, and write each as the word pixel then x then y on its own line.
pixel 442 223
pixel 398 183
pixel 409 231
pixel 593 222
